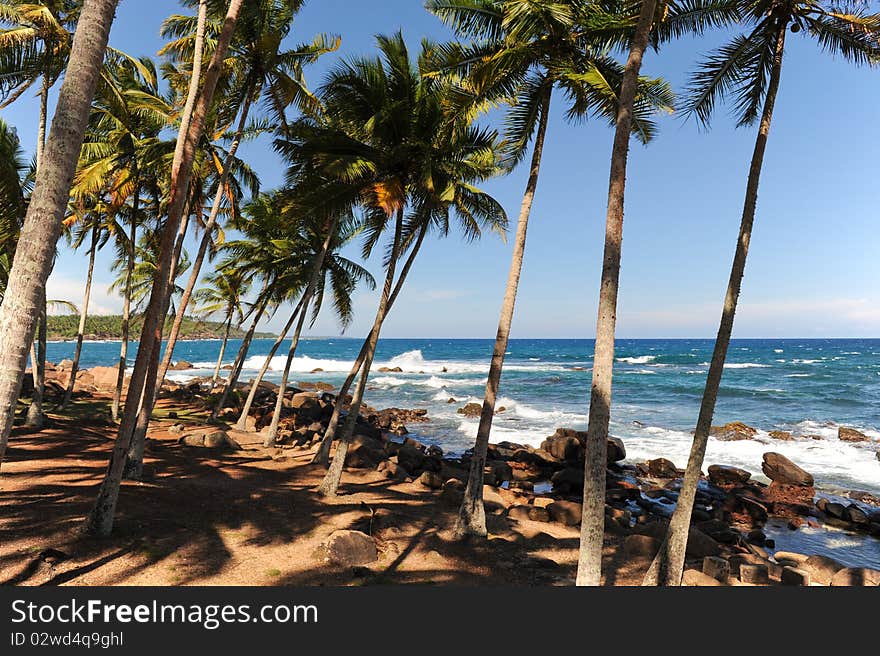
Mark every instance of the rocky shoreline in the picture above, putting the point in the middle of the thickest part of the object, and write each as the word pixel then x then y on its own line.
pixel 727 543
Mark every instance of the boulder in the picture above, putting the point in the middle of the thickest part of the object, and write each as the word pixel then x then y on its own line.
pixel 181 365
pixel 364 453
pixel 716 567
pixel 349 548
pixel 563 447
pixel 782 436
pixel 306 405
pixel 821 568
pixel 641 546
pixel 851 435
pixel 696 578
pixel 856 576
pixel 452 493
pixel 568 481
pixel 104 377
pixel 780 469
pixel 431 480
pixel 726 475
pixel 856 515
pixel 565 512
pixel 734 431
pixel 795 576
pixel 754 573
pixel 65 364
pixel 616 450
pixel 211 439
pixel 471 410
pixel 392 471
pixel 662 468
pixel 492 500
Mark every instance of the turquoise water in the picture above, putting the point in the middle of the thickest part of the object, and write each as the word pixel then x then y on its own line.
pixel 808 387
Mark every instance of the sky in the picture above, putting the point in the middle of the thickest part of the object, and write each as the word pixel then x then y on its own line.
pixel 813 269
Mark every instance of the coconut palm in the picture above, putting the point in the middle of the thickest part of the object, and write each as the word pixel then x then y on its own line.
pixel 223 294
pixel 521 50
pixel 392 145
pixel 749 69
pixel 32 264
pixel 100 520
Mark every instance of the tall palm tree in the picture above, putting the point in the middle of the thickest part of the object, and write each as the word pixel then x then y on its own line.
pixel 393 145
pixel 100 520
pixel 224 294
pixel 32 264
pixel 749 68
pixel 35 49
pixel 520 50
pixel 258 69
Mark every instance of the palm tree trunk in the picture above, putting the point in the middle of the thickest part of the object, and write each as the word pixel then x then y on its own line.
pixel 35 411
pixel 593 521
pixel 317 266
pixel 134 463
pixel 668 565
pixel 222 347
pixel 238 365
pixel 330 484
pixel 100 520
pixel 252 393
pixel 44 117
pixel 126 306
pixel 207 238
pixel 322 455
pixel 32 264
pixel 472 514
pixel 83 315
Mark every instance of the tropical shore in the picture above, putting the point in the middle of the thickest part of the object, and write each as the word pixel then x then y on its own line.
pixel 217 507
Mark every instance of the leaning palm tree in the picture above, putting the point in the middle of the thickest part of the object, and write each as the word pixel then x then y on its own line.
pixel 100 520
pixel 223 293
pixel 749 68
pixel 32 264
pixel 522 50
pixel 394 145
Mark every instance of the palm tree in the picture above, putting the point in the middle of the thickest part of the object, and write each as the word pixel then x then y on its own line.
pixel 257 69
pixel 224 293
pixel 523 49
pixel 32 264
pixel 35 48
pixel 100 521
pixel 393 145
pixel 749 67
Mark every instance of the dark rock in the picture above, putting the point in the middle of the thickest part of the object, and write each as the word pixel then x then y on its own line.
pixel 856 515
pixel 641 546
pixel 431 480
pixel 568 481
pixel 563 447
pixel 856 576
pixel 756 574
pixel 836 510
pixel 716 567
pixel 725 475
pixel 795 576
pixel 779 468
pixel 662 468
pixel 471 410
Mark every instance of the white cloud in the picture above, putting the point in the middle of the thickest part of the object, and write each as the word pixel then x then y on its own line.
pixel 62 288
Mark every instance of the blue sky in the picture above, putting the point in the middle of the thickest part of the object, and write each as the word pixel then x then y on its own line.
pixel 813 268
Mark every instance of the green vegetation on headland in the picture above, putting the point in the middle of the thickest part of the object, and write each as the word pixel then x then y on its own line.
pixel 65 326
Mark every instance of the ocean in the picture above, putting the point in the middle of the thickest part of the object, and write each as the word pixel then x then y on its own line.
pixel 806 386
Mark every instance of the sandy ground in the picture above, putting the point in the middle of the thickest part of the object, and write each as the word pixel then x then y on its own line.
pixel 247 518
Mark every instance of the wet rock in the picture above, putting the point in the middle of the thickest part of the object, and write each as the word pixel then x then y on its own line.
pixel 349 548
pixel 856 576
pixel 181 365
pixel 821 568
pixel 833 509
pixel 790 558
pixel 390 370
pixel 662 468
pixel 734 431
pixel 471 410
pixel 616 450
pixel 725 475
pixel 782 436
pixel 779 468
pixel 851 435
pixel 856 515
